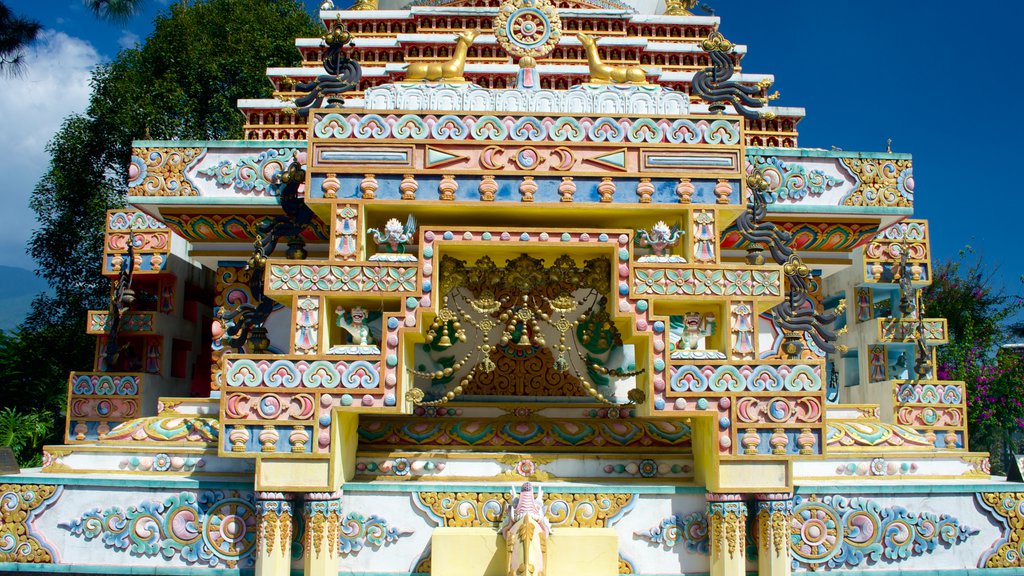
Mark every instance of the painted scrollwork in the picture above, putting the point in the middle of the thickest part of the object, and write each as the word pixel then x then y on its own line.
pixel 880 182
pixel 1008 508
pixel 20 504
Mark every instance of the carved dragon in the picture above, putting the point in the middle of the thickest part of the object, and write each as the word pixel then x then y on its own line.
pixel 713 84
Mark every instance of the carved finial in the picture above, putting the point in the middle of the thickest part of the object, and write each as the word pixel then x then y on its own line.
pixel 680 7
pixel 716 42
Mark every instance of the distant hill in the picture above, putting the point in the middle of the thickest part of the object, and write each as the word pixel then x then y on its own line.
pixel 18 287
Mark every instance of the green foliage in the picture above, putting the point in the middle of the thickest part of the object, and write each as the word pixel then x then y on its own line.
pixel 15 34
pixel 114 10
pixel 182 83
pixel 976 313
pixel 25 433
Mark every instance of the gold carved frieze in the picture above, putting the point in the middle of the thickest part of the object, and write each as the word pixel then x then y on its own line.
pixel 160 171
pixel 1009 509
pixel 19 505
pixel 880 182
pixel 476 509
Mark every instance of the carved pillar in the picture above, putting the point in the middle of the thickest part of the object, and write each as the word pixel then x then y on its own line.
pixel 323 533
pixel 727 519
pixel 274 534
pixel 774 514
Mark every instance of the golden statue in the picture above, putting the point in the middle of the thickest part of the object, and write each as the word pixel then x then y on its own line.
pixel 450 71
pixel 364 5
pixel 601 73
pixel 679 7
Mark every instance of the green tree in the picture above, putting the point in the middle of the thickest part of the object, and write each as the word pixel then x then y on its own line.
pixel 15 34
pixel 963 292
pixel 183 83
pixel 114 10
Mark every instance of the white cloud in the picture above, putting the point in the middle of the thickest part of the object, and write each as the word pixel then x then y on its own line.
pixel 128 39
pixel 54 83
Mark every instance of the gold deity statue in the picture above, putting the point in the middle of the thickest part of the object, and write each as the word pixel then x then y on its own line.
pixel 449 71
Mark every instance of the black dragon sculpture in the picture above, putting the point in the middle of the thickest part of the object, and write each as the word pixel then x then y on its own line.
pixel 343 75
pixel 297 215
pixel 752 225
pixel 121 299
pixel 797 313
pixel 249 317
pixel 714 83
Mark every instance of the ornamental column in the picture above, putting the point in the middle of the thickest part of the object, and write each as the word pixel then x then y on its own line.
pixel 323 533
pixel 774 514
pixel 274 534
pixel 727 519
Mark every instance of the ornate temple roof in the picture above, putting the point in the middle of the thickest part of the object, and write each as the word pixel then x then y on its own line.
pixel 386 39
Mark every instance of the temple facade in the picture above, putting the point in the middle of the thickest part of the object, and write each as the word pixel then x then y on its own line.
pixel 515 288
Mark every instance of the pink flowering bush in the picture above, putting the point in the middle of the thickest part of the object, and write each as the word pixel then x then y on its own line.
pixel 977 314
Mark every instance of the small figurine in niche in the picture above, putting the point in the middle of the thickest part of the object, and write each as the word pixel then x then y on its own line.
pixel 704 234
pixel 153 359
pixel 660 239
pixel 392 240
pixel 864 308
pixel 307 325
pixel 877 364
pixel 355 322
pixel 689 336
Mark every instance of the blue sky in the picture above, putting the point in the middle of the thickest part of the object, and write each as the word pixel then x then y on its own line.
pixel 937 77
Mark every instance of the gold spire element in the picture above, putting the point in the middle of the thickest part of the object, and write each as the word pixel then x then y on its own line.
pixel 680 7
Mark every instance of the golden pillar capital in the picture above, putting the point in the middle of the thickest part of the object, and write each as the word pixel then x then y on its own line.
pixel 774 512
pixel 321 546
pixel 274 511
pixel 727 520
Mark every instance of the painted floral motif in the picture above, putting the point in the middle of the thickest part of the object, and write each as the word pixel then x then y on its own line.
pixel 527 128
pixel 91 383
pixel 358 530
pixel 700 282
pixel 539 435
pixel 209 528
pixel 247 373
pixel 99 322
pixel 848 532
pixel 799 378
pixel 343 278
pixel 250 173
pixel 169 428
pixel 842 435
pixel 789 181
pixel 691 530
pixel 133 221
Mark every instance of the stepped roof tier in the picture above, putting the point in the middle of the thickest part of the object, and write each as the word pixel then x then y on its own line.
pixel 668 47
pixel 540 287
